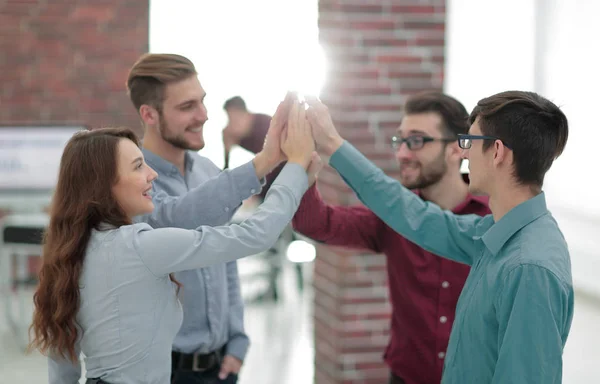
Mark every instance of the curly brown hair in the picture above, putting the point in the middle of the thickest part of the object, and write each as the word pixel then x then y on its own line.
pixel 82 201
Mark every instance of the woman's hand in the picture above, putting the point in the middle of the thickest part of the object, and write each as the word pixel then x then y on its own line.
pixel 297 141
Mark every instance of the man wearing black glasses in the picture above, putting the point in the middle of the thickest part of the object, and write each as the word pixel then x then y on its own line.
pixel 423 287
pixel 514 315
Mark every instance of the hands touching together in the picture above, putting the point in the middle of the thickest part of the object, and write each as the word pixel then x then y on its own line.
pixel 293 134
pixel 297 141
pixel 326 136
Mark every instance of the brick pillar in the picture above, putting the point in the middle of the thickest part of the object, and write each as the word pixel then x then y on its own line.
pixel 378 53
pixel 67 61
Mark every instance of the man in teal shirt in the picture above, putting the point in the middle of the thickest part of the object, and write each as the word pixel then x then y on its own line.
pixel 514 314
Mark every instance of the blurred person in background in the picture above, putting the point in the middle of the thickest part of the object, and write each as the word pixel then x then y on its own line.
pixel 247 130
pixel 423 287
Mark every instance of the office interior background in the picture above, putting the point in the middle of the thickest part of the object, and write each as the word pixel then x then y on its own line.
pixel 63 66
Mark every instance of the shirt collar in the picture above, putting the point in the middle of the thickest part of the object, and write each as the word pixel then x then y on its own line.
pixel 104 226
pixel 516 219
pixel 163 166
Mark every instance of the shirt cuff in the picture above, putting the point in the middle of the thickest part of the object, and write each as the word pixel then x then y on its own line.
pixel 247 182
pixel 294 177
pixel 237 347
pixel 352 165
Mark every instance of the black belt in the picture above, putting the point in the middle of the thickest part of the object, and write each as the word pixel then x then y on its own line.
pixel 197 362
pixel 95 381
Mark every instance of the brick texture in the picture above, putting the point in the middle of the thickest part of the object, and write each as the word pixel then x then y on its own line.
pixel 378 53
pixel 67 61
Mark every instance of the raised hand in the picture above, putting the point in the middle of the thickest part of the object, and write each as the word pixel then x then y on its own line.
pixel 326 136
pixel 297 141
pixel 271 146
pixel 271 154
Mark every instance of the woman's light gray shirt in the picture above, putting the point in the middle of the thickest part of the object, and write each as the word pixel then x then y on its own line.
pixel 129 311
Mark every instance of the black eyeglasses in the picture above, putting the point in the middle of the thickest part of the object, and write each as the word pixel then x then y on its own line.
pixel 465 141
pixel 415 142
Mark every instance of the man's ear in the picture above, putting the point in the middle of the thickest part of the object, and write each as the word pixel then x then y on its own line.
pixel 454 151
pixel 500 152
pixel 149 115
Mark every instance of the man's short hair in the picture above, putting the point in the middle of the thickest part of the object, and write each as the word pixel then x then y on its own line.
pixel 532 126
pixel 235 102
pixel 150 75
pixel 454 115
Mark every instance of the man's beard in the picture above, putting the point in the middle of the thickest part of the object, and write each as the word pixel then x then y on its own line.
pixel 178 141
pixel 429 175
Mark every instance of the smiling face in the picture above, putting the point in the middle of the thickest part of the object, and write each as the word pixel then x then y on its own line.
pixel 423 167
pixel 183 114
pixel 134 180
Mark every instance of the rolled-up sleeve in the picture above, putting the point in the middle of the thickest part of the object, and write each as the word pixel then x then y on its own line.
pixel 169 250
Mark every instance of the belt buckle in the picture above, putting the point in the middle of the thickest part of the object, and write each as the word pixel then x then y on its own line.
pixel 195 367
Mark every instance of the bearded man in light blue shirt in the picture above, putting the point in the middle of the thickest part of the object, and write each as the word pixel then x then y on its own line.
pixel 515 312
pixel 169 98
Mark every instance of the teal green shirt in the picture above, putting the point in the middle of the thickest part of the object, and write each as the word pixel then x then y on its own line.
pixel 515 311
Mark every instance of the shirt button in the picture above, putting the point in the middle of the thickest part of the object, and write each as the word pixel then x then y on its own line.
pixel 441 355
pixel 443 319
pixel 445 284
pixel 226 209
pixel 253 191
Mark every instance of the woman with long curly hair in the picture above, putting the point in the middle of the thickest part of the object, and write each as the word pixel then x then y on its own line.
pixel 105 286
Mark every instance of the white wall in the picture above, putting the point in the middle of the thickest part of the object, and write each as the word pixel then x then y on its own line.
pixel 489 47
pixel 548 46
pixel 257 49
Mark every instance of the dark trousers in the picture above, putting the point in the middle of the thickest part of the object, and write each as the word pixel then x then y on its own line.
pixel 395 379
pixel 206 377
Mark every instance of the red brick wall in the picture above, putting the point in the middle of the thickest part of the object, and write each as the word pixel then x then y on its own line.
pixel 67 61
pixel 378 53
